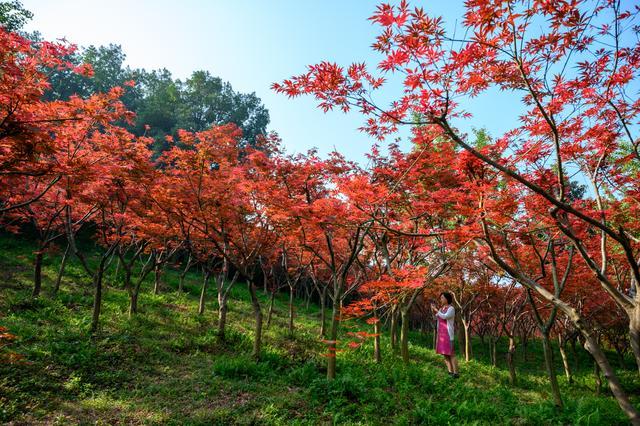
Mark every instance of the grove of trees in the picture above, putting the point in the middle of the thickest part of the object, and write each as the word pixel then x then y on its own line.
pixel 536 231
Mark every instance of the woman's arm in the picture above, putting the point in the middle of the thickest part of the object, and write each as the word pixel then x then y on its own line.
pixel 449 313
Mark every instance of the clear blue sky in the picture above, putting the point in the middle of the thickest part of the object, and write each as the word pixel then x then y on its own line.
pixel 251 44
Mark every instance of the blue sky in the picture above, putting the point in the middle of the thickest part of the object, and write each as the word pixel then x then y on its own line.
pixel 252 44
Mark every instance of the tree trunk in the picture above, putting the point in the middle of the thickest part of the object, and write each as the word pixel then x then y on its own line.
pixel 133 304
pixel 376 342
pixel 257 312
pixel 222 314
pixel 157 272
pixel 634 333
pixel 290 328
pixel 323 313
pixel 434 340
pixel 183 274
pixel 115 276
pixel 394 328
pixel 574 355
pixel 510 361
pixel 597 378
pixel 63 264
pixel 270 311
pixel 308 299
pixel 592 346
pixel 404 335
pixel 459 330
pixel 37 273
pixel 551 371
pixel 493 351
pixel 525 349
pixel 333 338
pixel 565 359
pixel 467 341
pixel 203 292
pixel 97 299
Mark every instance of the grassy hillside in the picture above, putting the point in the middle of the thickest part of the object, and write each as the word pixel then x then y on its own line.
pixel 166 366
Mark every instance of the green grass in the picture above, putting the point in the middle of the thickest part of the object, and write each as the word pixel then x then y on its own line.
pixel 166 366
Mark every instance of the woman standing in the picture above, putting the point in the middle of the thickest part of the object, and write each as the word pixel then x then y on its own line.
pixel 446 319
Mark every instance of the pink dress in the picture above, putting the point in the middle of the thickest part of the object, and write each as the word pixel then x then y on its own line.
pixel 444 344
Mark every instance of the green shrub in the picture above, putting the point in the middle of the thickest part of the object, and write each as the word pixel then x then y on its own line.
pixel 241 367
pixel 304 374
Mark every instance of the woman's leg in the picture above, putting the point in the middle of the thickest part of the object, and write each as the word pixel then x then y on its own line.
pixel 447 360
pixel 454 364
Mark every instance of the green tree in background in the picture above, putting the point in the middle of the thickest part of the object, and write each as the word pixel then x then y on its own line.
pixel 13 15
pixel 207 100
pixel 162 104
pixel 160 101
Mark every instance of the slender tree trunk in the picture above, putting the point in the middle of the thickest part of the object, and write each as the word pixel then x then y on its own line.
pixel 525 349
pixel 133 304
pixel 264 282
pixel 290 328
pixel 183 274
pixel 510 361
pixel 494 352
pixel 222 315
pixel 323 311
pixel 97 299
pixel 257 312
pixel 597 378
pixel 565 359
pixel 37 273
pixel 377 356
pixel 132 292
pixel 333 339
pixel 394 328
pixel 115 276
pixel 203 292
pixel 63 264
pixel 551 371
pixel 404 334
pixel 223 300
pixel 434 339
pixel 309 294
pixel 270 310
pixel 574 355
pixel 467 340
pixel 157 272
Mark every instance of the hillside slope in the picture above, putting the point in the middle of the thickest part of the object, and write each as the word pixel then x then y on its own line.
pixel 166 366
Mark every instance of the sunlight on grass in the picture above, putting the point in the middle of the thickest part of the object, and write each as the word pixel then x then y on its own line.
pixel 166 365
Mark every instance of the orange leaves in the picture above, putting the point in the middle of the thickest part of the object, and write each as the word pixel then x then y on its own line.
pixel 6 356
pixel 372 320
pixel 5 336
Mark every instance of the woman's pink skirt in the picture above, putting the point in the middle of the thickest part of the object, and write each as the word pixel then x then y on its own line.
pixel 444 345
